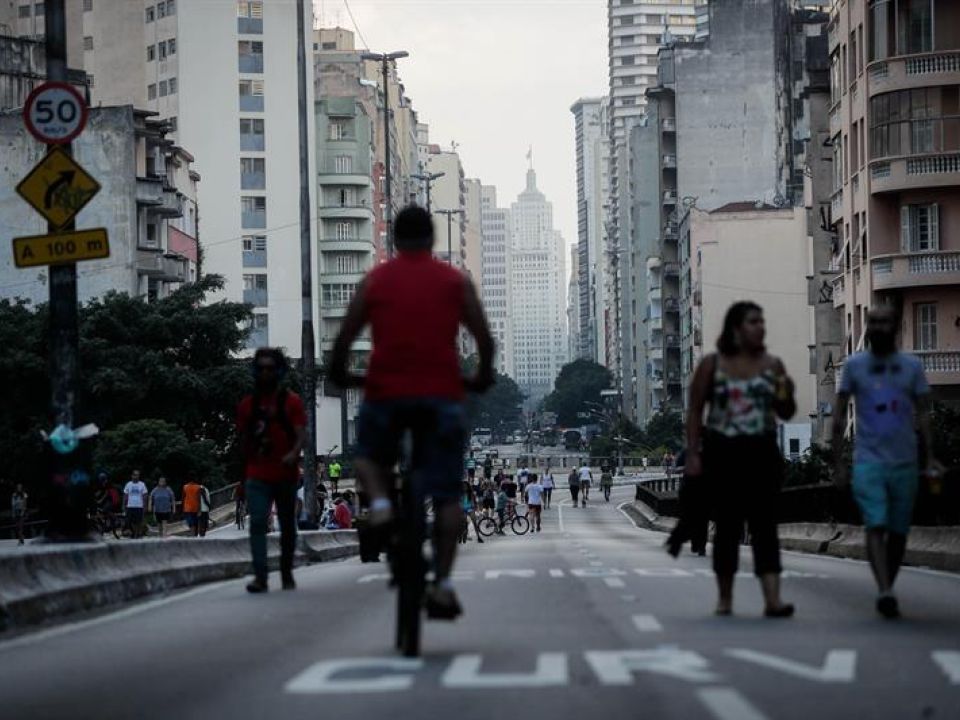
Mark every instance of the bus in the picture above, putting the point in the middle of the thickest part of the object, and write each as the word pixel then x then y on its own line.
pixel 481 437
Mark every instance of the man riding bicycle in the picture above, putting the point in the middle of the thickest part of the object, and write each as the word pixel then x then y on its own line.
pixel 415 305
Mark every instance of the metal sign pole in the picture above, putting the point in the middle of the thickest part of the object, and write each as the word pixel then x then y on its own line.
pixel 68 520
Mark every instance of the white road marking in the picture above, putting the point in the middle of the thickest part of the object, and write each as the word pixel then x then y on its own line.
pixel 596 563
pixel 628 598
pixel 464 672
pixel 664 572
pixel 617 667
pixel 839 666
pixel 725 703
pixel 596 572
pixel 556 572
pixel 494 574
pixel 38 637
pixel 319 678
pixel 647 623
pixel 949 662
pixel 614 582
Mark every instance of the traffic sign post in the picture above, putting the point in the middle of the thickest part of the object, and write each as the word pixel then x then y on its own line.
pixel 61 248
pixel 55 113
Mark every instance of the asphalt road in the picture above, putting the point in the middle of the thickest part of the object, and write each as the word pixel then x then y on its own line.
pixel 587 619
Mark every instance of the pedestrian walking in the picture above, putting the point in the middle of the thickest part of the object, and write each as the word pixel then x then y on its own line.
pixel 892 404
pixel 334 470
pixel 534 497
pixel 240 504
pixel 468 501
pixel 574 482
pixel 272 425
pixel 549 483
pixel 488 495
pixel 586 479
pixel 471 465
pixel 745 390
pixel 191 504
pixel 203 518
pixel 134 502
pixel 18 508
pixel 162 502
pixel 606 483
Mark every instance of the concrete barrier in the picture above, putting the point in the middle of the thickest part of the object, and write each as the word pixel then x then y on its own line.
pixel 47 581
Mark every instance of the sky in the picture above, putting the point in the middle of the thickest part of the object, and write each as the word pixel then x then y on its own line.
pixel 496 77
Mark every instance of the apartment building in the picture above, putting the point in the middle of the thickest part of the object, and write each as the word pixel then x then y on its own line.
pixel 895 209
pixel 147 203
pixel 223 76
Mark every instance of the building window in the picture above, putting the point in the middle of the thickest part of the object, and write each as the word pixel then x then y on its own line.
pixel 23 11
pixel 254 243
pixel 925 326
pixel 920 228
pixel 343 164
pixel 173 123
pixel 88 42
pixel 253 173
pixel 172 46
pixel 255 282
pixel 151 92
pixel 162 46
pixel 173 86
pixel 337 294
pixel 163 88
pixel 250 56
pixel 151 14
pixel 627 61
pixel 87 5
pixel 161 10
pixel 340 129
pixel 345 231
pixel 151 52
pixel 252 134
pixel 39 9
pixel 171 7
pixel 250 9
pixel 253 212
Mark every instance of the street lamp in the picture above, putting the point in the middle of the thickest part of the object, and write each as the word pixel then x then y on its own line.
pixel 385 59
pixel 449 214
pixel 428 179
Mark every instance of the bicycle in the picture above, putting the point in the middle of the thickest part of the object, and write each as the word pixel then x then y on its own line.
pixel 520 524
pixel 104 522
pixel 409 567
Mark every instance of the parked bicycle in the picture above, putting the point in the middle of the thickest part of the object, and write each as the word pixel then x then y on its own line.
pixel 517 522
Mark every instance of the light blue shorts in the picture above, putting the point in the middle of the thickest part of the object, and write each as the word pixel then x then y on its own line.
pixel 885 494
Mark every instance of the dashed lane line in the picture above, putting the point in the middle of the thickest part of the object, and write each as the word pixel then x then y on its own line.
pixel 647 623
pixel 614 582
pixel 725 703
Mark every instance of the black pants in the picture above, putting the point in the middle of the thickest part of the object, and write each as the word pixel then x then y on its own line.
pixel 745 474
pixel 547 494
pixel 260 495
pixel 574 493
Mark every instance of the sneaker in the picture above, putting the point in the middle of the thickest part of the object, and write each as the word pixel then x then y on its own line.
pixel 257 586
pixel 783 611
pixel 442 603
pixel 888 606
pixel 289 583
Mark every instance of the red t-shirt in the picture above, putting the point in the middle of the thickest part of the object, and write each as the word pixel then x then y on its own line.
pixel 266 444
pixel 414 306
pixel 341 513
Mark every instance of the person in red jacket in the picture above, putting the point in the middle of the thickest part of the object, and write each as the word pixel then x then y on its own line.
pixel 415 305
pixel 272 425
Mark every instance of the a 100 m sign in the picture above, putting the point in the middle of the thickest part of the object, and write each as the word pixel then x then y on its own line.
pixel 61 248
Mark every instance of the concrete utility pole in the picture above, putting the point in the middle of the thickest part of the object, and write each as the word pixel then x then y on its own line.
pixel 449 214
pixel 385 59
pixel 428 180
pixel 307 348
pixel 68 516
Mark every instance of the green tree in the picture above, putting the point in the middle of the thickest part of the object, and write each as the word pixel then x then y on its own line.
pixel 500 408
pixel 665 430
pixel 578 385
pixel 172 360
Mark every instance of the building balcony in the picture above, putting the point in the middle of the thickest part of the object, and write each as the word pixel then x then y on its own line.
pixel 655 353
pixel 251 103
pixel 669 197
pixel 162 266
pixel 671 305
pixel 836 205
pixel 908 270
pixel 332 177
pixel 255 296
pixel 149 191
pixel 356 212
pixel 942 367
pixel 250 26
pixel 914 71
pixel 915 172
pixel 250 63
pixel 346 245
pixel 671 269
pixel 839 288
pixel 254 258
pixel 656 381
pixel 655 324
pixel 655 294
pixel 670 232
pixel 669 161
pixel 672 341
pixel 669 124
pixel 253 219
pixel 253 181
pixel 836 120
pixel 252 143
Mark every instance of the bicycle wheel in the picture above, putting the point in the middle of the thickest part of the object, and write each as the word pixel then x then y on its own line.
pixel 486 526
pixel 520 525
pixel 412 574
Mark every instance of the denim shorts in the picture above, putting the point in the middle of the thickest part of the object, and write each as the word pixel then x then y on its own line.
pixel 438 428
pixel 885 493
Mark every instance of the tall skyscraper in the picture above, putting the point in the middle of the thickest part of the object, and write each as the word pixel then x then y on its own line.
pixel 538 290
pixel 495 284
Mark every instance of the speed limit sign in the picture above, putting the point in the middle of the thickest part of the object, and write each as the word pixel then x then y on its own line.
pixel 55 113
